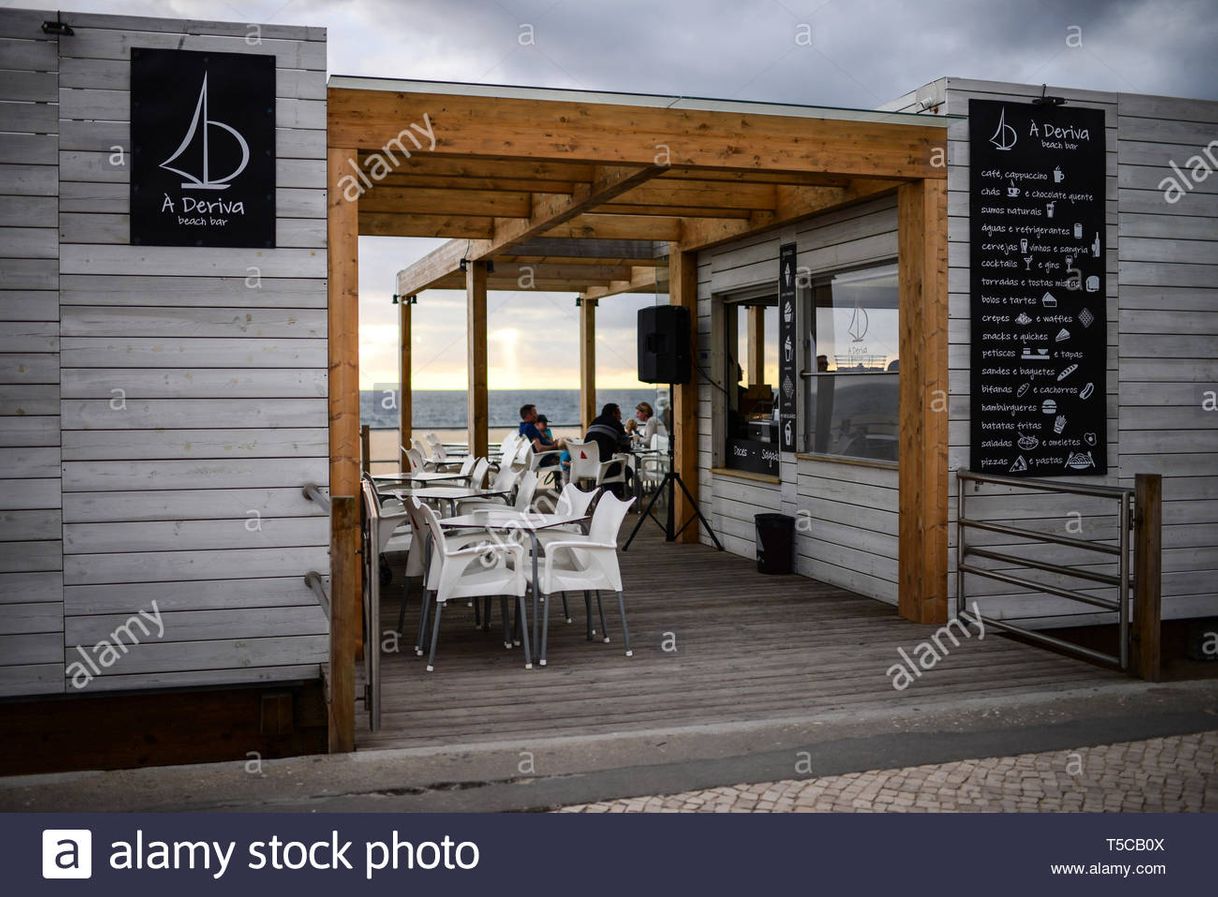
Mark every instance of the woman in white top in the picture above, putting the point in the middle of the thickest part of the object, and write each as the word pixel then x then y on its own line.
pixel 644 424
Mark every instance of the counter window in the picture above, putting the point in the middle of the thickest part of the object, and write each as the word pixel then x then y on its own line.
pixel 851 395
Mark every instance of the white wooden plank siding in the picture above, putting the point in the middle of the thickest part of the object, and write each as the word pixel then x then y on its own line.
pixel 1168 335
pixel 167 404
pixel 1162 314
pixel 31 546
pixel 846 513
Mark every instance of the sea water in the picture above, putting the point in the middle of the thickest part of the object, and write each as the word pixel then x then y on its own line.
pixel 435 409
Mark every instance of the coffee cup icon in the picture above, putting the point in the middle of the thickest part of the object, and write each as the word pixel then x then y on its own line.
pixel 1058 176
pixel 1012 191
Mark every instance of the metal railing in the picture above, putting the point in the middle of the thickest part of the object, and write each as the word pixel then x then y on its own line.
pixel 313 493
pixel 317 586
pixel 1122 582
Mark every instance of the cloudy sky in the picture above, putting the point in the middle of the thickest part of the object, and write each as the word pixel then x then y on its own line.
pixel 857 53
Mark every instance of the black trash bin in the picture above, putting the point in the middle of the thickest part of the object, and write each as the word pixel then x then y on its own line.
pixel 775 543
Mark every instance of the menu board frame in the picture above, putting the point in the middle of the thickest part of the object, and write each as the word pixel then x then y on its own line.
pixel 1038 306
pixel 788 366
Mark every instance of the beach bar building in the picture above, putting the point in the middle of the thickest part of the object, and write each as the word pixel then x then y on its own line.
pixel 946 337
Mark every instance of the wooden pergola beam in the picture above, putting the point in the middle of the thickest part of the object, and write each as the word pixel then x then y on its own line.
pixel 477 398
pixel 388 224
pixel 342 250
pixel 430 268
pixel 683 291
pixel 607 133
pixel 923 384
pixel 432 201
pixel 587 361
pixel 641 279
pixel 593 226
pixel 552 209
pixel 405 389
pixel 792 204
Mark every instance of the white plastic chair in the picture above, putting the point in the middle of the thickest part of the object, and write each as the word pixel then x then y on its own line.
pixel 504 481
pixel 474 571
pixel 587 563
pixel 652 468
pixel 573 500
pixel 586 464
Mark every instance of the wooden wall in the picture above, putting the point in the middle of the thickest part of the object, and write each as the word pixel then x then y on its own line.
pixel 1168 335
pixel 31 540
pixel 192 383
pixel 847 532
pixel 1162 264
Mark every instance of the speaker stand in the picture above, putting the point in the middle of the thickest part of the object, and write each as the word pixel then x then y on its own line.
pixel 668 486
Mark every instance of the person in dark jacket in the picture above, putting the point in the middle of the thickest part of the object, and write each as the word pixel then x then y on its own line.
pixel 610 437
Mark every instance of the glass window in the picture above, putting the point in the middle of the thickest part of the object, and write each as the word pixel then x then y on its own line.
pixel 851 399
pixel 751 381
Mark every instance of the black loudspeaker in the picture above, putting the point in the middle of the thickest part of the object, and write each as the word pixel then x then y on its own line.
pixel 664 344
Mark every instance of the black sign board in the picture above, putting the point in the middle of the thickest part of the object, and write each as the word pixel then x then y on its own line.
pixel 752 455
pixel 788 373
pixel 202 148
pixel 1039 340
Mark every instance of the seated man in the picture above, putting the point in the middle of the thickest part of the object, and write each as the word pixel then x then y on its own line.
pixel 538 437
pixel 609 435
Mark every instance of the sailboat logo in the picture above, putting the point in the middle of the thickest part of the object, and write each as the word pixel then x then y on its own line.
pixel 199 130
pixel 1004 136
pixel 859 324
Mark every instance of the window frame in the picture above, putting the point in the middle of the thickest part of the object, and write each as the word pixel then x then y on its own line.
pixel 806 324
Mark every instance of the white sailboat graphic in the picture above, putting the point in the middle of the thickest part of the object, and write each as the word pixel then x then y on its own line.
pixel 859 324
pixel 1004 136
pixel 206 181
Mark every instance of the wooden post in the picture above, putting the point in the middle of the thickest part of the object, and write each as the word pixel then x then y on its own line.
pixel 344 570
pixel 342 231
pixel 365 448
pixel 475 322
pixel 1147 574
pixel 923 476
pixel 755 345
pixel 683 290
pixel 587 362
pixel 405 394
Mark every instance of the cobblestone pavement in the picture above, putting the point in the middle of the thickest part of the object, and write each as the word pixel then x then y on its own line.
pixel 1176 774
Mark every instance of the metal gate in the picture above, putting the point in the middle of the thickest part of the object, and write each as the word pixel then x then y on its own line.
pixel 1127 588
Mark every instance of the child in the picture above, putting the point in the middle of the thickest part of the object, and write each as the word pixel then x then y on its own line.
pixel 564 460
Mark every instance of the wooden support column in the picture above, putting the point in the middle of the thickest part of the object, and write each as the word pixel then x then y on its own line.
pixel 683 290
pixel 343 347
pixel 405 395
pixel 587 362
pixel 923 477
pixel 344 618
pixel 475 323
pixel 755 344
pixel 1147 575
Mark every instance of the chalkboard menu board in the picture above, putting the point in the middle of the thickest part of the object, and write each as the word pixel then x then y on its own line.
pixel 202 148
pixel 788 373
pixel 1037 241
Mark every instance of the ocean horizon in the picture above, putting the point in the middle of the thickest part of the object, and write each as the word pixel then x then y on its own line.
pixel 444 409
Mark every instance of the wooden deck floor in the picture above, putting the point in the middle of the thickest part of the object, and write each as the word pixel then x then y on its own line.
pixel 749 647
